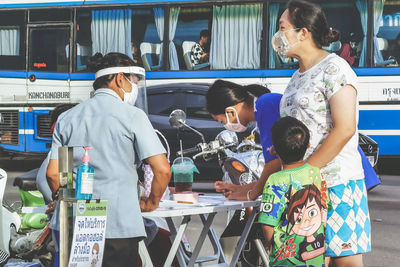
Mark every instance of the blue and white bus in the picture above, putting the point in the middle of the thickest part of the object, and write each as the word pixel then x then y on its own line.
pixel 45 44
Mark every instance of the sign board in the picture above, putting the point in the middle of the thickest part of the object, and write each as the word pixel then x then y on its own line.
pixel 89 234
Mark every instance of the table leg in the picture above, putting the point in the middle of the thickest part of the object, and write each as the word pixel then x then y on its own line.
pixel 144 255
pixel 177 237
pixel 206 226
pixel 243 237
pixel 215 242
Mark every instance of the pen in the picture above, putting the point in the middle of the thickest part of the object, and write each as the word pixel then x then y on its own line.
pixel 184 202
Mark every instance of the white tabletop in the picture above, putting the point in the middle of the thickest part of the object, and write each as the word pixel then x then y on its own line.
pixel 208 203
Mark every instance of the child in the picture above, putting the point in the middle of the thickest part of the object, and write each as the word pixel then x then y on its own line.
pixel 294 201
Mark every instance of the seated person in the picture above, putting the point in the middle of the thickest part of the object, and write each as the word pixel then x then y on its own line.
pixel 137 59
pixel 394 49
pixel 349 50
pixel 198 51
pixel 294 201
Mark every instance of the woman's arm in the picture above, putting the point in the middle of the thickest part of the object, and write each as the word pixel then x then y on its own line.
pixel 343 111
pixel 253 190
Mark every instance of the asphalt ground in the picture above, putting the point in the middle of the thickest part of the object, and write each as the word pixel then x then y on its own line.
pixel 384 205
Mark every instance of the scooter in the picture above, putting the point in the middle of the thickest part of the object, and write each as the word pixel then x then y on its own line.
pixel 24 233
pixel 242 163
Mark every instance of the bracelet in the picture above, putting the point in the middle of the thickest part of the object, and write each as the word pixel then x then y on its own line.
pixel 248 195
pixel 56 195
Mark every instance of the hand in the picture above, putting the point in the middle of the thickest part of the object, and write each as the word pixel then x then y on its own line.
pixel 231 191
pixel 51 207
pixel 204 58
pixel 148 204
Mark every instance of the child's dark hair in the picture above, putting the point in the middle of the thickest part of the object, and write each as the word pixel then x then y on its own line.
pixel 55 113
pixel 290 138
pixel 223 94
pixel 98 62
pixel 304 14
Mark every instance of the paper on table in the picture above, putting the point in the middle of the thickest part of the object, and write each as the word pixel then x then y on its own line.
pixel 203 202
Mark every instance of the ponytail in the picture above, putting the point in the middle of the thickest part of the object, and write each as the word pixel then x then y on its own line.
pixel 223 94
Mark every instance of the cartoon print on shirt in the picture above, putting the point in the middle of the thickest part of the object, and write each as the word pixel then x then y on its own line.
pixel 307 214
pixel 323 129
pixel 322 111
pixel 304 102
pixel 318 96
pixel 332 69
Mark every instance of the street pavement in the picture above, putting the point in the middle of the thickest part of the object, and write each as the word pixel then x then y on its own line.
pixel 384 205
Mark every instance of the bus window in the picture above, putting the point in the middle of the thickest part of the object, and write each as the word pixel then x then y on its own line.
pixel 12 37
pixel 387 43
pixel 192 38
pixel 50 15
pixel 48 49
pixel 129 31
pixel 236 36
pixel 347 17
pixel 343 16
pixel 147 33
pixel 83 44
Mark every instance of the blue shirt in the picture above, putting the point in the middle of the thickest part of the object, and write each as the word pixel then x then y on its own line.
pixel 267 113
pixel 122 136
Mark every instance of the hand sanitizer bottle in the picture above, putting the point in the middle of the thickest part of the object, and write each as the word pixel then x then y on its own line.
pixel 85 178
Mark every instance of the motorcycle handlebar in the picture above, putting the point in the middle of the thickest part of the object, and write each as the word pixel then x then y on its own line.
pixel 189 151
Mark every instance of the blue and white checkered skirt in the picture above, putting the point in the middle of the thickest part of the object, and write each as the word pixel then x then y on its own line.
pixel 348 229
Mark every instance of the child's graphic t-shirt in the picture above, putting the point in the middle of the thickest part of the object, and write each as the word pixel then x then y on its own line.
pixel 295 203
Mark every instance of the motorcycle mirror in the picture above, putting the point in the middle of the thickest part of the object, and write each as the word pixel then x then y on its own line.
pixel 227 138
pixel 177 118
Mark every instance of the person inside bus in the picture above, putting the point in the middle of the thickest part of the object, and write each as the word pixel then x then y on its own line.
pixel 122 136
pixel 199 51
pixel 349 50
pixel 394 49
pixel 325 80
pixel 136 55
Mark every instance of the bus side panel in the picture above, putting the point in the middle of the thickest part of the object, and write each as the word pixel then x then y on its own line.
pixel 37 130
pixel 382 123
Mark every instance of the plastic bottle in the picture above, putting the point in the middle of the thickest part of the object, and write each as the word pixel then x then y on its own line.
pixel 85 178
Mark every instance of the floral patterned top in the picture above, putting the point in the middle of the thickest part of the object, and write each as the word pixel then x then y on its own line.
pixel 306 98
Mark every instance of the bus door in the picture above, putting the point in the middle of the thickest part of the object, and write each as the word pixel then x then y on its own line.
pixel 48 80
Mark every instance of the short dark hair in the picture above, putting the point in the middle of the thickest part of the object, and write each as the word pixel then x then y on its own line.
pixel 204 33
pixel 55 113
pixel 304 14
pixel 290 138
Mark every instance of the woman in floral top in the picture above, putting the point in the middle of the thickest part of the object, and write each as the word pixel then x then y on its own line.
pixel 323 95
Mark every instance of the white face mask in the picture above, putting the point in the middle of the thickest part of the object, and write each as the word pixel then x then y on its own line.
pixel 130 98
pixel 234 127
pixel 281 44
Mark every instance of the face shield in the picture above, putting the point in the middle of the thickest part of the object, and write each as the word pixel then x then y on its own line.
pixel 137 76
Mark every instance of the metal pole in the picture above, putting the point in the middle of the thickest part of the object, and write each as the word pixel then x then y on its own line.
pixel 63 233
